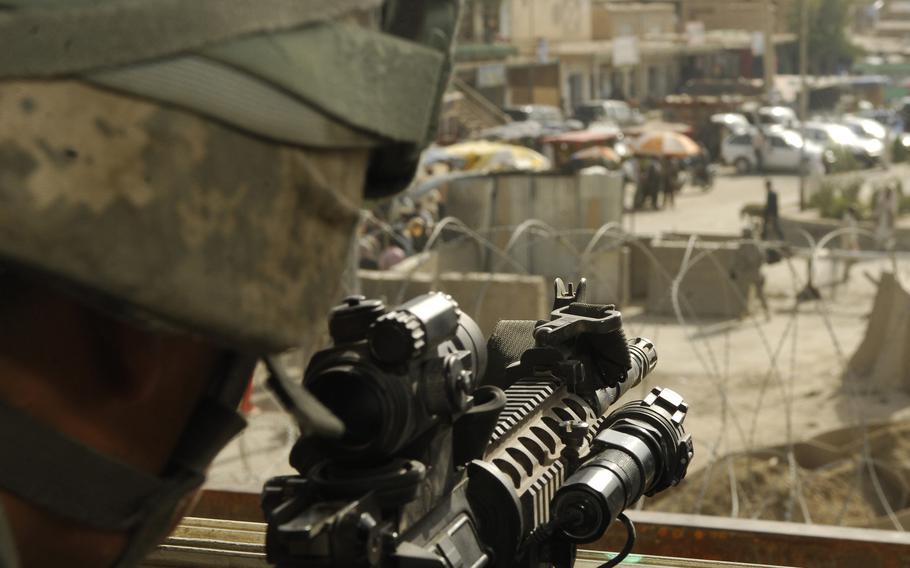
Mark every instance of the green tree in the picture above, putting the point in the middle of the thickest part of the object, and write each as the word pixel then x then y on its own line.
pixel 830 48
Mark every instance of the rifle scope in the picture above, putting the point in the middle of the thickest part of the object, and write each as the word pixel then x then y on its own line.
pixel 392 374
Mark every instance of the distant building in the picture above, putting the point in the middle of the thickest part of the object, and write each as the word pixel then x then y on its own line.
pixel 893 20
pixel 610 20
pixel 748 15
pixel 565 52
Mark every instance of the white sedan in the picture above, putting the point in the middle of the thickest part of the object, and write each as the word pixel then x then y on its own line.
pixel 783 151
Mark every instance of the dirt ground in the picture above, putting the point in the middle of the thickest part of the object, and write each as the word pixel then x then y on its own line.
pixel 853 476
pixel 748 406
pixel 757 382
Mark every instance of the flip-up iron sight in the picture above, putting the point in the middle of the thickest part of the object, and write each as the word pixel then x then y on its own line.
pixel 452 446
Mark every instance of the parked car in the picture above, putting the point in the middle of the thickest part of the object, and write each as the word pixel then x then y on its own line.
pixel 777 116
pixel 903 111
pixel 888 118
pixel 734 121
pixel 549 117
pixel 867 151
pixel 783 152
pixel 617 112
pixel 538 113
pixel 866 127
pixel 713 131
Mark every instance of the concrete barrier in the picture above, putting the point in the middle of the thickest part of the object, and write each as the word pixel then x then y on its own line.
pixel 487 298
pixel 608 274
pixel 706 290
pixel 575 206
pixel 639 267
pixel 882 360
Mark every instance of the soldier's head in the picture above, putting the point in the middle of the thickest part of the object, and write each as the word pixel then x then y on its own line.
pixel 172 208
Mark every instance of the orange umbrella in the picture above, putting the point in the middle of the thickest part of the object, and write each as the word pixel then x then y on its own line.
pixel 666 144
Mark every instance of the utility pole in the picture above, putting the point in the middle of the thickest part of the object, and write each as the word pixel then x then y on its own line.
pixel 803 94
pixel 770 60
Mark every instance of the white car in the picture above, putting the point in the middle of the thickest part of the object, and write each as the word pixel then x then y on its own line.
pixel 777 115
pixel 866 127
pixel 783 152
pixel 868 151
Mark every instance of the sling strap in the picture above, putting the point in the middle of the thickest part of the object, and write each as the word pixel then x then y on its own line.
pixel 74 481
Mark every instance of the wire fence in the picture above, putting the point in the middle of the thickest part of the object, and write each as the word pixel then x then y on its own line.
pixel 750 406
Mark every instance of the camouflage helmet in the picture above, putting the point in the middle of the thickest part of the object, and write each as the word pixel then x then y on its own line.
pixel 198 165
pixel 201 164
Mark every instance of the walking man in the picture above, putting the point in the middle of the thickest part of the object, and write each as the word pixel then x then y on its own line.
pixel 771 219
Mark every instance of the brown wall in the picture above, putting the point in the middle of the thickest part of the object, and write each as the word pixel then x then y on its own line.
pixel 533 84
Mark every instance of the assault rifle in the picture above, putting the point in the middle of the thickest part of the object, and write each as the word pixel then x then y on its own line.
pixel 461 453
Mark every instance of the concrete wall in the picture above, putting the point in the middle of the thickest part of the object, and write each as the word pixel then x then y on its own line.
pixel 706 291
pixel 578 205
pixel 639 268
pixel 533 84
pixel 608 273
pixel 487 298
pixel 609 20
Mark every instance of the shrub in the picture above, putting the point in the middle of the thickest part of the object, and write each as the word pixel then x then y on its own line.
pixel 834 197
pixel 844 161
pixel 899 152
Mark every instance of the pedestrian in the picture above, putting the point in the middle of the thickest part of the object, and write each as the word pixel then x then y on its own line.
pixel 771 217
pixel 758 146
pixel 431 207
pixel 701 168
pixel 671 173
pixel 641 184
pixel 849 239
pixel 746 269
pixel 886 209
pixel 417 231
pixel 368 252
pixel 655 182
pixel 630 175
pixel 402 238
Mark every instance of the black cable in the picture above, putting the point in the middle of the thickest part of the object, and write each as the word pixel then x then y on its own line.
pixel 630 542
